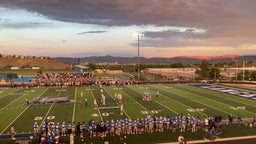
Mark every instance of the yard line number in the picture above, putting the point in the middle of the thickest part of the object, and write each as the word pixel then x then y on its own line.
pixel 38 118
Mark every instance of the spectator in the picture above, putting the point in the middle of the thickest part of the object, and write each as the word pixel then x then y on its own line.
pixel 212 134
pixel 181 139
pixel 230 119
pixel 13 132
pixel 239 119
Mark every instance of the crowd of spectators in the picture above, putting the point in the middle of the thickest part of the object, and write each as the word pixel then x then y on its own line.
pixel 74 79
pixel 64 79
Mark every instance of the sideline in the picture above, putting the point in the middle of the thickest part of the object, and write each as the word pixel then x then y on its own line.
pixel 74 107
pixel 216 140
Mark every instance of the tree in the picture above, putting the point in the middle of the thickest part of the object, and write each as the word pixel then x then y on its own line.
pixel 253 76
pixel 8 67
pixel 177 65
pixel 26 66
pixel 203 70
pixel 214 73
pixel 92 66
pixel 246 75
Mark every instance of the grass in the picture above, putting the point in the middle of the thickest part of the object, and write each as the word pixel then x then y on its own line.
pixel 173 100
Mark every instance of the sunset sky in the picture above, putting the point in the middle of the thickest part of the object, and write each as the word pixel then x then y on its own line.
pixel 78 28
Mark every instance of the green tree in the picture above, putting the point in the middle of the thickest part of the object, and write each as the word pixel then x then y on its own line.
pixel 26 66
pixel 177 65
pixel 8 67
pixel 214 73
pixel 253 76
pixel 92 66
pixel 246 75
pixel 203 70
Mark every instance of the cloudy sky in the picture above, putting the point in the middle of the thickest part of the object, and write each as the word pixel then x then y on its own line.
pixel 168 28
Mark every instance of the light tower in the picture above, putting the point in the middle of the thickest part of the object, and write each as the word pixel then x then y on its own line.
pixel 138 36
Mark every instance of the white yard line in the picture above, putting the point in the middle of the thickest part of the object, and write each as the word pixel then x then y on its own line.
pixel 46 115
pixel 205 105
pixel 74 108
pixel 15 119
pixel 137 102
pixel 166 107
pixel 177 101
pixel 60 91
pixel 97 107
pixel 242 102
pixel 8 93
pixel 22 112
pixel 12 102
pixel 117 103
pixel 160 103
pixel 49 110
pixel 228 105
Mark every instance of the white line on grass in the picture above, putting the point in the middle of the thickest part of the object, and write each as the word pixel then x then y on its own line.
pixel 178 101
pixel 241 102
pixel 22 112
pixel 137 102
pixel 46 115
pixel 8 93
pixel 117 104
pixel 167 107
pixel 202 104
pixel 97 107
pixel 160 103
pixel 15 119
pixel 12 102
pixel 223 103
pixel 49 110
pixel 74 108
pixel 60 91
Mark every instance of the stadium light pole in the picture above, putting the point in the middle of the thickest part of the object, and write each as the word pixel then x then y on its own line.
pixel 138 36
pixel 236 67
pixel 243 69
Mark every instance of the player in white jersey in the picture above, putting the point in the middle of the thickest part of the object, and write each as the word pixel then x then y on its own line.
pixel 63 129
pixel 151 125
pixel 81 95
pixel 160 124
pixel 112 128
pixel 103 98
pixel 35 129
pixel 119 97
pixel 121 109
pixel 57 127
pixel 95 104
pixel 183 124
pixel 129 130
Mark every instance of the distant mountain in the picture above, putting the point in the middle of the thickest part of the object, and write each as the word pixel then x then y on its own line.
pixel 159 60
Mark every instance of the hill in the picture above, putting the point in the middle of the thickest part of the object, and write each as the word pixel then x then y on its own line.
pixel 46 63
pixel 133 60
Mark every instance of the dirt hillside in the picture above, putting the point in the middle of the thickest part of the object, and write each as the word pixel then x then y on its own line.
pixel 46 63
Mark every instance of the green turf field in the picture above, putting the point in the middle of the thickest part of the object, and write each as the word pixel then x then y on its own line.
pixel 173 100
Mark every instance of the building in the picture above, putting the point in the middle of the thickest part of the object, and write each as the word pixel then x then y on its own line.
pixel 175 73
pixel 81 69
pixel 230 73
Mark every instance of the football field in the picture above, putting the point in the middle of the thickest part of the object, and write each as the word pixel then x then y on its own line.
pixel 67 104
